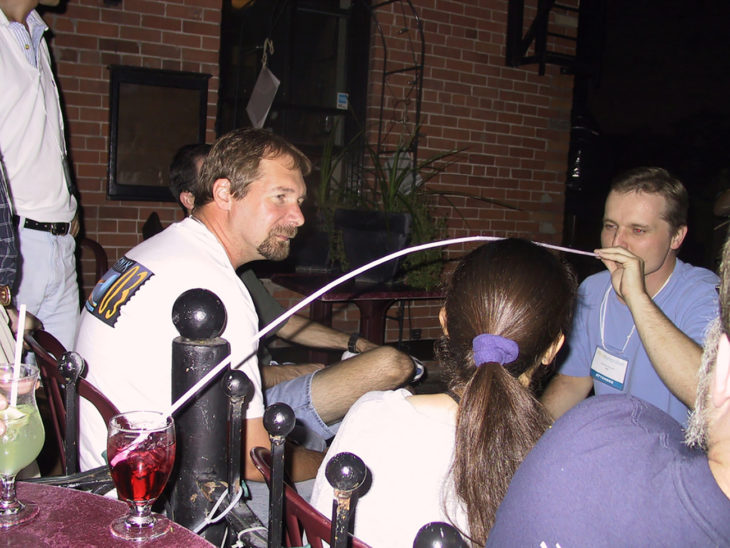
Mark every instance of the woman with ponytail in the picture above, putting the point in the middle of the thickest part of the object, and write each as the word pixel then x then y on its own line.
pixel 450 456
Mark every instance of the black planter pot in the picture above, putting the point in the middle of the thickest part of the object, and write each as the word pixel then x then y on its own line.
pixel 369 235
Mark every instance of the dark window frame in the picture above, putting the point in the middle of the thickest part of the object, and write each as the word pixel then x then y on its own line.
pixel 127 118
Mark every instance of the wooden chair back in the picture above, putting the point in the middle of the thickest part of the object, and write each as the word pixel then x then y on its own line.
pixel 101 261
pixel 48 351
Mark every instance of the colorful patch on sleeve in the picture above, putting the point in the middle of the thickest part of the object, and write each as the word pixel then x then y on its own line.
pixel 116 288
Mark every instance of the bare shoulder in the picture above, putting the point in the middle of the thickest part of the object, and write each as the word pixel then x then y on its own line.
pixel 433 403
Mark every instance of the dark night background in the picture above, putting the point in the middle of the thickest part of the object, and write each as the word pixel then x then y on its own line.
pixel 659 98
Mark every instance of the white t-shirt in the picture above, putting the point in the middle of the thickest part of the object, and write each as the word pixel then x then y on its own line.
pixel 126 329
pixel 408 452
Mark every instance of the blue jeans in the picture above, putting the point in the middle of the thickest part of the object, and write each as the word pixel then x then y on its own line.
pixel 310 430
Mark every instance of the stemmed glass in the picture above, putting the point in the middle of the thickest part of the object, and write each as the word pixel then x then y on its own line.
pixel 21 440
pixel 141 453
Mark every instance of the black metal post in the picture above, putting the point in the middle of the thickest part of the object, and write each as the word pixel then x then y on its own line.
pixel 345 472
pixel 199 316
pixel 438 534
pixel 239 390
pixel 70 366
pixel 278 421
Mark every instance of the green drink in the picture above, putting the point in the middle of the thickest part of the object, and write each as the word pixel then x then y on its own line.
pixel 21 441
pixel 23 438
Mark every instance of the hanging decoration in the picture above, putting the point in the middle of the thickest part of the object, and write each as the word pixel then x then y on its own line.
pixel 262 96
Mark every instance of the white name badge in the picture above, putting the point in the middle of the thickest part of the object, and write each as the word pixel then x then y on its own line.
pixel 609 369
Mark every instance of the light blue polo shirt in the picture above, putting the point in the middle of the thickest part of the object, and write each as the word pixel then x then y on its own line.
pixel 689 300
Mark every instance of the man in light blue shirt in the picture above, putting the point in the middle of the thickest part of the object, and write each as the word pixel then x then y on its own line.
pixel 639 324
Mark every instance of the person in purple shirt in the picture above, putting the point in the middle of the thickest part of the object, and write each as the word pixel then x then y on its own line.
pixel 640 324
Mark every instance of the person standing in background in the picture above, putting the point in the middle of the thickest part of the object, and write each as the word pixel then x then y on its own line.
pixel 34 149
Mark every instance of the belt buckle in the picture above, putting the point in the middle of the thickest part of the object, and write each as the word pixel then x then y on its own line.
pixel 59 229
pixel 5 296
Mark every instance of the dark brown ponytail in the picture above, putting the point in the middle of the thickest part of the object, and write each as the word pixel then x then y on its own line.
pixel 522 292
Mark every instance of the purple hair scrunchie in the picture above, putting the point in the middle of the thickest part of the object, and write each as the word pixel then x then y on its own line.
pixel 493 348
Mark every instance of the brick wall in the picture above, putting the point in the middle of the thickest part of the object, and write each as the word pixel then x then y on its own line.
pixel 514 122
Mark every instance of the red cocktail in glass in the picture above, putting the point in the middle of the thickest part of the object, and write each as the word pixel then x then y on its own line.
pixel 141 453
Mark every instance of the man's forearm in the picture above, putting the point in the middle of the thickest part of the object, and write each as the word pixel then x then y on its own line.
pixel 564 392
pixel 310 333
pixel 676 357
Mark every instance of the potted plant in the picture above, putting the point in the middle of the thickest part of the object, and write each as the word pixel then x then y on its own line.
pixel 389 208
pixel 382 207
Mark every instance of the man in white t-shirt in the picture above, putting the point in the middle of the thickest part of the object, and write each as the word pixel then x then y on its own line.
pixel 247 208
pixel 319 396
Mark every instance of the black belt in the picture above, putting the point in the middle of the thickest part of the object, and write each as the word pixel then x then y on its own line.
pixel 57 229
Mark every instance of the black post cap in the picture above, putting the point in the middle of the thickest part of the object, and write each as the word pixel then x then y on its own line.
pixel 237 385
pixel 71 365
pixel 345 471
pixel 279 419
pixel 199 314
pixel 438 534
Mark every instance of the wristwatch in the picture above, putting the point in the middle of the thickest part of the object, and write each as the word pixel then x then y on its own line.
pixel 352 343
pixel 5 296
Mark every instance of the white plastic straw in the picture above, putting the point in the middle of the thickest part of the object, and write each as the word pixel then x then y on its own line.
pixel 296 308
pixel 18 354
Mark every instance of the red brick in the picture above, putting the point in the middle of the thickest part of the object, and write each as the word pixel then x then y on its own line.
pixel 76 11
pixel 145 6
pixel 120 17
pixel 97 29
pixel 195 27
pixel 177 11
pixel 119 46
pixel 182 39
pixel 212 4
pixel 117 212
pixel 111 59
pixel 161 23
pixel 161 51
pixel 80 71
pixel 83 100
pixel 137 34
pixel 201 56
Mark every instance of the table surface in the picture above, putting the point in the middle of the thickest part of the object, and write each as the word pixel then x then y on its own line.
pixel 373 301
pixel 71 518
pixel 306 284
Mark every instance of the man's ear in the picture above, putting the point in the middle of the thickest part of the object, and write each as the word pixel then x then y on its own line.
pixel 678 237
pixel 720 382
pixel 222 194
pixel 187 200
pixel 442 320
pixel 552 351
